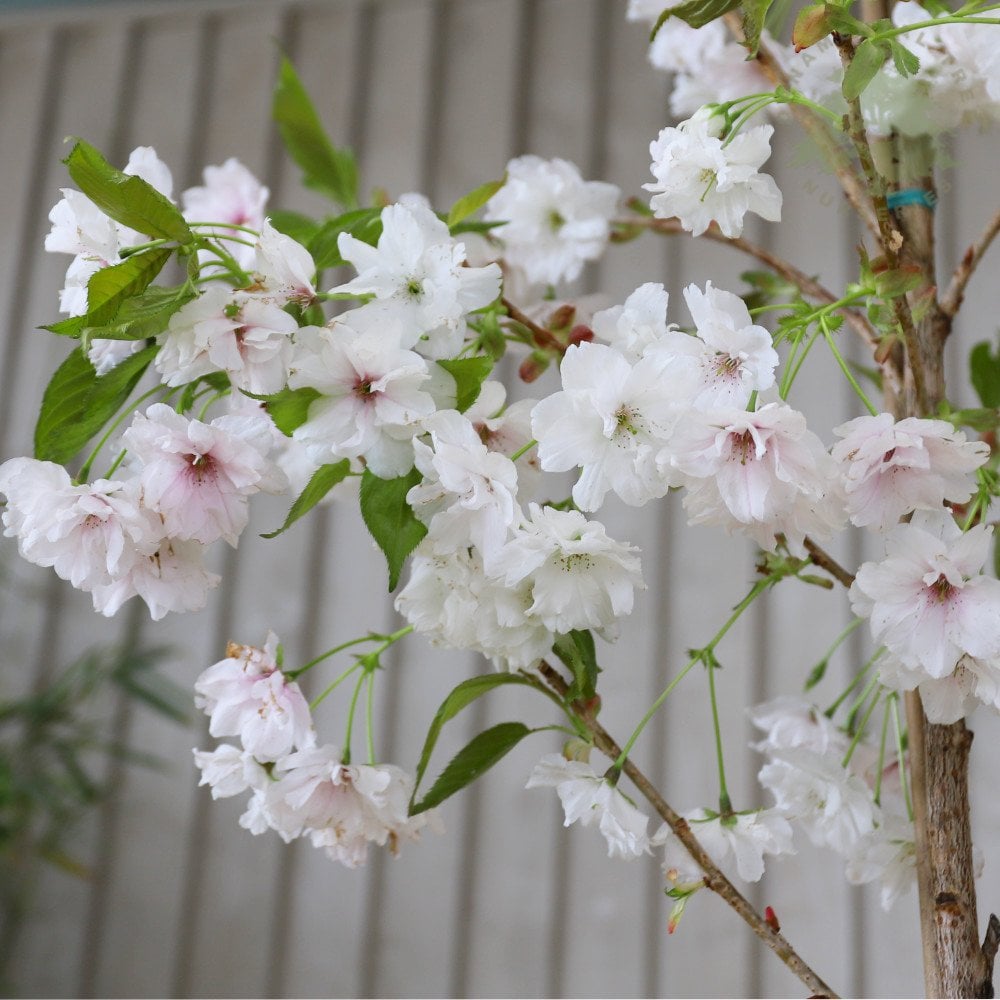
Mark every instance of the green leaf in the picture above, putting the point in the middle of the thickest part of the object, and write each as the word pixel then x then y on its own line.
pixel 469 375
pixel 869 58
pixel 473 201
pixel 696 13
pixel 78 402
pixel 843 21
pixel 110 287
pixel 144 315
pixel 576 650
pixel 899 281
pixel 754 13
pixel 984 366
pixel 323 480
pixel 290 407
pixel 906 62
pixel 463 695
pixel 364 224
pixel 294 224
pixel 474 759
pixel 389 518
pixel 325 168
pixel 127 199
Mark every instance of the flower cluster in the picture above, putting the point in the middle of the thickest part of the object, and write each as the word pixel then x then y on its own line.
pixel 296 787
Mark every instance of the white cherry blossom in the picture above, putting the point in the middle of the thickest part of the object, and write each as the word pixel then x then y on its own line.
pixel 554 221
pixel 229 771
pixel 588 798
pixel 702 179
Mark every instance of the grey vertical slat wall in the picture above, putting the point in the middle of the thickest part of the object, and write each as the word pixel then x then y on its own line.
pixel 435 95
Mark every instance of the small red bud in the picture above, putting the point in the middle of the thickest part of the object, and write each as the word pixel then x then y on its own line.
pixel 561 318
pixel 532 366
pixel 771 919
pixel 579 334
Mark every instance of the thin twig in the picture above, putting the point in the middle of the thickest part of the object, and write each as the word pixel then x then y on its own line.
pixel 714 878
pixel 804 282
pixel 825 561
pixel 956 290
pixel 815 128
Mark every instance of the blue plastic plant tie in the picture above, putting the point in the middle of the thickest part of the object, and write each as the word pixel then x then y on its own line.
pixel 911 196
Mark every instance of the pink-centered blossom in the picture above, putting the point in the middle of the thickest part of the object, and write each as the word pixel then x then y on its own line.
pixel 198 476
pixel 893 467
pixel 247 695
pixel 927 602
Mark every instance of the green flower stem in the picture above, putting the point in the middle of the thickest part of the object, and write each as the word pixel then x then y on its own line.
pixel 388 640
pixel 936 21
pixel 227 259
pixel 213 399
pixel 725 806
pixel 332 686
pixel 140 247
pixel 369 729
pixel 861 728
pixel 115 424
pixel 223 225
pixel 791 371
pixel 880 767
pixel 522 451
pixel 857 679
pixel 844 633
pixel 901 754
pixel 346 758
pixel 848 374
pixel 698 657
pixel 114 465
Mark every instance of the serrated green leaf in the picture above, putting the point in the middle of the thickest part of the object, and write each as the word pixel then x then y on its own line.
pixel 325 168
pixel 906 62
pixel 474 759
pixel 984 366
pixel 469 375
pixel 869 57
pixel 78 402
pixel 294 224
pixel 110 287
pixel 290 407
pixel 389 518
pixel 899 281
pixel 754 14
pixel 126 198
pixel 322 481
pixel 576 650
pixel 473 201
pixel 364 224
pixel 696 13
pixel 144 315
pixel 461 696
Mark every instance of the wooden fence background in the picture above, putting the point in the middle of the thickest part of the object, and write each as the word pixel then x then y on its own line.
pixel 436 96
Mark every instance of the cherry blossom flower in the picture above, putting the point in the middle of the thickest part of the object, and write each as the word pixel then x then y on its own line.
pixel 893 467
pixel 741 839
pixel 553 220
pixel 702 179
pixel 173 578
pixel 886 854
pixel 198 476
pixel 832 805
pixel 468 494
pixel 373 394
pixel 231 194
pixel 451 601
pixel 764 473
pixel 507 430
pixel 612 419
pixel 589 798
pixel 636 325
pixel 580 577
pixel 791 722
pixel 246 336
pixel 247 695
pixel 342 807
pixel 229 771
pixel 418 269
pixel 927 601
pixel 283 270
